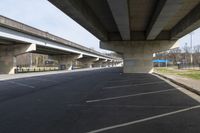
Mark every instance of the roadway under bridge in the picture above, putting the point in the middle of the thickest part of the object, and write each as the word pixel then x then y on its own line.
pixel 135 28
pixel 96 101
pixel 17 38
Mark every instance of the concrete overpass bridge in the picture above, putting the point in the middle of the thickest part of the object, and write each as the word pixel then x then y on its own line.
pixel 135 28
pixel 17 38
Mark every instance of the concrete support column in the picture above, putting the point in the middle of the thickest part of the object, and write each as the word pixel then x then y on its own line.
pixel 88 62
pixel 138 55
pixel 8 55
pixel 105 63
pixel 138 62
pixel 109 63
pixel 99 63
pixel 65 61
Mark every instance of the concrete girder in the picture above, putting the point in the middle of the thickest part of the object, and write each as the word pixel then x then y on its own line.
pixel 23 48
pixel 44 46
pixel 90 58
pixel 119 9
pixel 80 56
pixel 87 61
pixel 189 23
pixel 101 63
pixel 163 13
pixel 155 46
pixel 104 60
pixel 107 63
pixel 81 13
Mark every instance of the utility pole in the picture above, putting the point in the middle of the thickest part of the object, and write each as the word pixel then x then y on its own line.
pixel 191 52
pixel 166 59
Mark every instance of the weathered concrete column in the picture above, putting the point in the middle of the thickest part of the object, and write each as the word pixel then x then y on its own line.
pixel 138 55
pixel 8 55
pixel 88 62
pixel 100 63
pixel 109 63
pixel 65 60
pixel 105 63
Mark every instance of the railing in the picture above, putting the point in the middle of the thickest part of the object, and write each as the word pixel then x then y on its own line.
pixel 42 69
pixel 189 66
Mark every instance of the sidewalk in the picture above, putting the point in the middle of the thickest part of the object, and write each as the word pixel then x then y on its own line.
pixel 187 83
pixel 26 75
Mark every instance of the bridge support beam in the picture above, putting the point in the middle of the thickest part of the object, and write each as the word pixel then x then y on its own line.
pixel 65 61
pixel 8 56
pixel 100 63
pixel 88 62
pixel 108 63
pixel 138 55
pixel 105 63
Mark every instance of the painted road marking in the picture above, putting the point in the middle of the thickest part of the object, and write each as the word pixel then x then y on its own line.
pixel 183 90
pixel 126 80
pixel 126 106
pixel 132 85
pixel 126 96
pixel 144 120
pixel 20 84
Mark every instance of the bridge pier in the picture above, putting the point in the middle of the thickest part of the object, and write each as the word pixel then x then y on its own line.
pixel 104 64
pixel 65 60
pixel 8 56
pixel 100 63
pixel 138 55
pixel 88 62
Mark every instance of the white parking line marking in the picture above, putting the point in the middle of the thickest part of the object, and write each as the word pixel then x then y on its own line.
pixel 185 91
pixel 21 84
pixel 144 120
pixel 130 85
pixel 125 80
pixel 127 106
pixel 126 96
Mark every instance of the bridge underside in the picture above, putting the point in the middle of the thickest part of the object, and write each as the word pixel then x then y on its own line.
pixel 10 49
pixel 134 25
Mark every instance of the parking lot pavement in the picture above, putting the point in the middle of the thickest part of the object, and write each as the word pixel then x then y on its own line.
pixel 103 100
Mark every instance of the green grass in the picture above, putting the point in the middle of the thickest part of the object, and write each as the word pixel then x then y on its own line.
pixel 193 74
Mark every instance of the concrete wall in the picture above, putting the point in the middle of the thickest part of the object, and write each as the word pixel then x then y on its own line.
pixel 8 56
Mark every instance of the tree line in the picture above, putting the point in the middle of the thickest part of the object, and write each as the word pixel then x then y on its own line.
pixel 185 54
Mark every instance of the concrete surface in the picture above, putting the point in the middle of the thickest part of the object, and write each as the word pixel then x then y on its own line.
pixel 134 20
pixel 138 55
pixel 103 100
pixel 188 83
pixel 17 38
pixel 8 56
pixel 28 30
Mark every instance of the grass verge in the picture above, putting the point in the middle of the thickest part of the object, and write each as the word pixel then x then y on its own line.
pixel 193 74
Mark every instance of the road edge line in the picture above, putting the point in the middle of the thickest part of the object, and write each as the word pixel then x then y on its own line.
pixel 178 83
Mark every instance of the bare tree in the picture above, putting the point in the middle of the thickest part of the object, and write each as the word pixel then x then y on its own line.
pixel 175 55
pixel 196 49
pixel 196 54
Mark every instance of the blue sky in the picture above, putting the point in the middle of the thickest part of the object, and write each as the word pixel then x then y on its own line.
pixel 43 15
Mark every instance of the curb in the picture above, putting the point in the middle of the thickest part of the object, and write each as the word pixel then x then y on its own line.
pixel 179 84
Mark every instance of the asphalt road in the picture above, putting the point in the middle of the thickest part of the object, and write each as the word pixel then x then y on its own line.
pixel 98 101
